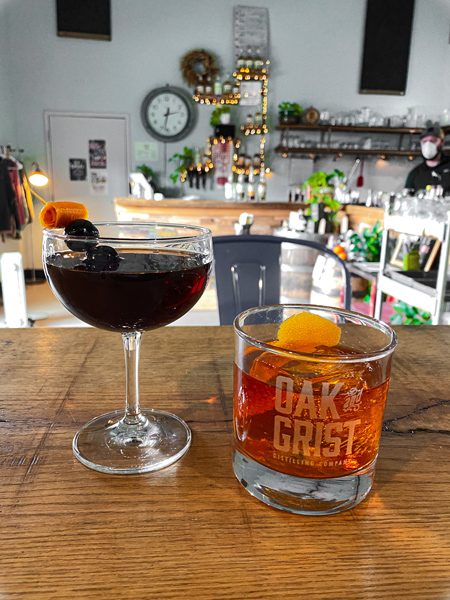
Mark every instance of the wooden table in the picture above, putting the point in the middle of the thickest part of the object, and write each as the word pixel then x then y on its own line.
pixel 191 531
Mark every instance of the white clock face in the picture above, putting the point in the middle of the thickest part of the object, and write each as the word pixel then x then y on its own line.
pixel 167 114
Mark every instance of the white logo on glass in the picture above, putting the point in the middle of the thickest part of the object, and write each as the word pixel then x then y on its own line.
pixel 353 400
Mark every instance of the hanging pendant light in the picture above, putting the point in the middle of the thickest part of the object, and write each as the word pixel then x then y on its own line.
pixel 37 177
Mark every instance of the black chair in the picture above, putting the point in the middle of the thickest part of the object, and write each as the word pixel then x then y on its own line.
pixel 247 269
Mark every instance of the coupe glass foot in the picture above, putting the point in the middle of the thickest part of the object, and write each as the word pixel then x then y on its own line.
pixel 109 444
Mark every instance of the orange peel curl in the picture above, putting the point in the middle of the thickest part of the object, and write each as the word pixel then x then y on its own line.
pixel 60 214
pixel 305 331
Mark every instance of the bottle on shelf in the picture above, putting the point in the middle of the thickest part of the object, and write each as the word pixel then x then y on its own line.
pixel 217 87
pixel 256 162
pixel 240 188
pixel 230 188
pixel 249 59
pixel 241 61
pixel 236 89
pixel 258 119
pixel 251 186
pixel 258 63
pixel 227 85
pixel 262 186
pixel 249 121
pixel 208 86
pixel 200 89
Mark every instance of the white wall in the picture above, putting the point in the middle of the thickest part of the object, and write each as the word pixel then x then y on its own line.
pixel 316 52
pixel 8 129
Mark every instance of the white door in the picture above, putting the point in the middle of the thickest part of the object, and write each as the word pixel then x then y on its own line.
pixel 88 160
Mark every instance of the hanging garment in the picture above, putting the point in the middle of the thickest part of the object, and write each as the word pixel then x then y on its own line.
pixel 28 196
pixel 9 217
pixel 20 203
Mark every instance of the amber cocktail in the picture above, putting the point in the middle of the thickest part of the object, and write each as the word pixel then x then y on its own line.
pixel 308 424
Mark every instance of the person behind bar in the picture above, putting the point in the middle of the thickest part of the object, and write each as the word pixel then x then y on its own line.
pixel 435 169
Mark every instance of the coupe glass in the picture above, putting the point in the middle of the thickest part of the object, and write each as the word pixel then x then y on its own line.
pixel 133 278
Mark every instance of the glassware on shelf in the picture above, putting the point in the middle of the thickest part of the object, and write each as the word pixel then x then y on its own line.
pixel 376 120
pixel 411 116
pixel 132 278
pixel 324 117
pixel 396 121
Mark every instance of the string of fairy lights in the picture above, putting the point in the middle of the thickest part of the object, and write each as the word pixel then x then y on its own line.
pixel 243 75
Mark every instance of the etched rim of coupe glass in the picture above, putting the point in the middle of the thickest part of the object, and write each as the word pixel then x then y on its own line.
pixel 325 358
pixel 201 235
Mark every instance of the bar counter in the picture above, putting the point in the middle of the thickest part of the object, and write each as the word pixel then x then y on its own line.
pixel 219 216
pixel 191 530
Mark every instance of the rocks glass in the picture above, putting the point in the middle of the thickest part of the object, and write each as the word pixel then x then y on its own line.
pixel 307 426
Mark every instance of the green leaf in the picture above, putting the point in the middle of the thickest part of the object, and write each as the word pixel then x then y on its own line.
pixel 396 319
pixel 410 312
pixel 416 322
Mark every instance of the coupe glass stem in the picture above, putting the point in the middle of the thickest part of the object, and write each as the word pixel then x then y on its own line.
pixel 131 346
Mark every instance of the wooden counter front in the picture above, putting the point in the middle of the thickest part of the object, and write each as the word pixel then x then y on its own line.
pixel 217 216
pixel 220 216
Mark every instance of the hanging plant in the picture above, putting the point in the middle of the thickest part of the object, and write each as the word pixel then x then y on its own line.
pixel 198 63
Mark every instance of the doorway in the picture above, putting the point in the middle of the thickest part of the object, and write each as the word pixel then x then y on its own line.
pixel 88 160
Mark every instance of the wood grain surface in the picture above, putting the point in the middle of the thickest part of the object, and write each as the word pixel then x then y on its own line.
pixel 191 531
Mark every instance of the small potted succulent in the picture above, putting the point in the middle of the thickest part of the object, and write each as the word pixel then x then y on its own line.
pixel 289 113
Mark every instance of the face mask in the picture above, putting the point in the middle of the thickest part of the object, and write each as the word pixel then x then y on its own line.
pixel 429 150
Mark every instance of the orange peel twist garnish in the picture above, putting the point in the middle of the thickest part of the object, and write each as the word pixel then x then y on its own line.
pixel 305 331
pixel 60 214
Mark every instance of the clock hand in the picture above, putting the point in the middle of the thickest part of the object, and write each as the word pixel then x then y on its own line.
pixel 167 116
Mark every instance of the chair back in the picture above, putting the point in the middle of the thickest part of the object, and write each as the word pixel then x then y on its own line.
pixel 247 271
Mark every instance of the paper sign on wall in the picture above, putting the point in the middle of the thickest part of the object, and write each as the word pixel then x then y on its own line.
pixel 250 93
pixel 146 151
pixel 99 183
pixel 97 154
pixel 223 162
pixel 77 169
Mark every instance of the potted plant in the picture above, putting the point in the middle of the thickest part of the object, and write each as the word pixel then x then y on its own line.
pixel 289 113
pixel 366 246
pixel 221 114
pixel 185 160
pixel 320 197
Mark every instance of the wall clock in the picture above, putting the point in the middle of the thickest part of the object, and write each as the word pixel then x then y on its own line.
pixel 168 113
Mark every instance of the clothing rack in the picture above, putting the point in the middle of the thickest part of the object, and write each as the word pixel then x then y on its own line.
pixel 5 148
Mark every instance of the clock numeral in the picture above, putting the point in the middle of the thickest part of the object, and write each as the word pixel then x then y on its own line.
pixel 182 114
pixel 166 98
pixel 180 107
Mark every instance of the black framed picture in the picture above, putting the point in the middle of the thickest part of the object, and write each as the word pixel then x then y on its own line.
pixel 89 19
pixel 428 251
pixel 427 246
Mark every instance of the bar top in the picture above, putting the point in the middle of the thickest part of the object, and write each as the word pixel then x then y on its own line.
pixel 191 530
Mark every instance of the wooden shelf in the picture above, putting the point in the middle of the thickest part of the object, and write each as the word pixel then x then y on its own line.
pixel 342 151
pixel 255 130
pixel 349 128
pixel 212 99
pixel 251 74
